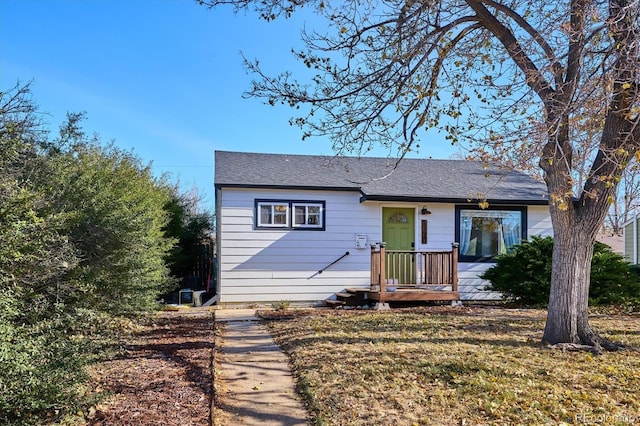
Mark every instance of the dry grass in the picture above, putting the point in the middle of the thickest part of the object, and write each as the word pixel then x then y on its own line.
pixel 456 366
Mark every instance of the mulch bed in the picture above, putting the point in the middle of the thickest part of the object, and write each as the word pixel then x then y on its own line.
pixel 164 376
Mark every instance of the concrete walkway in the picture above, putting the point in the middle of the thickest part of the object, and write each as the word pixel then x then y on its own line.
pixel 253 381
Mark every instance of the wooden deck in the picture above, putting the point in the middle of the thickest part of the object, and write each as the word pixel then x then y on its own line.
pixel 365 296
pixel 412 295
pixel 406 276
pixel 403 276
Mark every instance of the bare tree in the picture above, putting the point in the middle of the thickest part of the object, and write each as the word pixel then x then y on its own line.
pixel 498 74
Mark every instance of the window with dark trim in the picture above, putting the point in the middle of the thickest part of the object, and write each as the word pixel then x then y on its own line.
pixel 272 214
pixel 485 233
pixel 309 215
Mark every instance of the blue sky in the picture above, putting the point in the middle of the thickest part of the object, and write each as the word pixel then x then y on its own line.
pixel 163 78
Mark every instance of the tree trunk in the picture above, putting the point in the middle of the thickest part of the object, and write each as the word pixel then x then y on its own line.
pixel 567 318
pixel 568 313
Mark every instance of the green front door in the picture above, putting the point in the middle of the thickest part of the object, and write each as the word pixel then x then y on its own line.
pixel 398 231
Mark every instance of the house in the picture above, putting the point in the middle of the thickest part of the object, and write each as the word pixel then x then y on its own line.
pixel 631 234
pixel 304 228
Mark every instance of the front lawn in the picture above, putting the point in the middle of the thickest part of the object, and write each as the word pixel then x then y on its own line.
pixel 456 366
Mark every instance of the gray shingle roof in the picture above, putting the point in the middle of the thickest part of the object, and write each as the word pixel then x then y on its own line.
pixel 376 179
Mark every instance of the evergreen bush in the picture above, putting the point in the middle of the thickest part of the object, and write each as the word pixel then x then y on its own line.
pixel 83 242
pixel 524 275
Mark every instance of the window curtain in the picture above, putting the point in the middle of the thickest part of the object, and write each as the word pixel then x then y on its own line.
pixel 465 232
pixel 511 230
pixel 507 223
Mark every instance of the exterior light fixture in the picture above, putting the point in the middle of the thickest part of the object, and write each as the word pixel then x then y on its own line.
pixel 425 210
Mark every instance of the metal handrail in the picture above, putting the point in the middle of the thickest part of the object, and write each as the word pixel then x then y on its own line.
pixel 329 265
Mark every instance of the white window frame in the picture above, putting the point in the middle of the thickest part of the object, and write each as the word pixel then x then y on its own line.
pixel 290 206
pixel 272 205
pixel 306 223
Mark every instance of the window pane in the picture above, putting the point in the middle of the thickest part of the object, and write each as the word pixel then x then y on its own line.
pixel 307 215
pixel 299 217
pixel 490 232
pixel 266 217
pixel 314 215
pixel 280 216
pixel 273 214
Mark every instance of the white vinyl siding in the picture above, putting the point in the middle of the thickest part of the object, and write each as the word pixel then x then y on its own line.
pixel 631 238
pixel 629 252
pixel 270 264
pixel 539 222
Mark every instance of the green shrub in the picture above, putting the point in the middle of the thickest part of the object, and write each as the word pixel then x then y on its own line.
pixel 82 241
pixel 524 275
pixel 612 279
pixel 41 372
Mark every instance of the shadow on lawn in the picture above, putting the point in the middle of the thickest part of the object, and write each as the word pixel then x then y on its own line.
pixel 475 341
pixel 421 326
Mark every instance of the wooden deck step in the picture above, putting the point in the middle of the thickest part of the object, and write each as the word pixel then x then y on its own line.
pixel 349 297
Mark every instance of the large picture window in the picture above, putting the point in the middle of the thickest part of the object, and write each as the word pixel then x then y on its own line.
pixel 483 234
pixel 290 214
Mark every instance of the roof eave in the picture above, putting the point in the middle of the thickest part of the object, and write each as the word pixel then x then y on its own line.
pixel 449 200
pixel 288 187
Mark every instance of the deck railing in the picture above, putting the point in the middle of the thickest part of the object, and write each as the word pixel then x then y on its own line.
pixel 437 270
